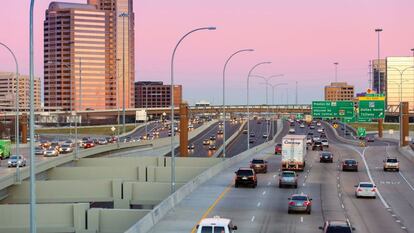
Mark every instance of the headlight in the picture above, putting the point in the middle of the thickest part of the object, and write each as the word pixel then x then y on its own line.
pixel 9 162
pixel 19 162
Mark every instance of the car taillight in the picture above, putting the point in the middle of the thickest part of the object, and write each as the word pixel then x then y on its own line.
pixel 374 190
pixel 306 203
pixel 359 190
pixel 292 203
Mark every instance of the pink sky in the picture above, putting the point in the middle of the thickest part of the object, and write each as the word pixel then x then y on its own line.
pixel 302 38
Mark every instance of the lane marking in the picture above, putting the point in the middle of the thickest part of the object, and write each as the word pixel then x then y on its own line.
pixel 264 192
pixel 301 219
pixel 268 183
pixel 258 204
pixel 399 172
pixel 212 206
pixel 252 220
pixel 362 155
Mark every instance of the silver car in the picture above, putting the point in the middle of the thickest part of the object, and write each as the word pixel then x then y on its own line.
pixel 67 148
pixel 51 152
pixel 16 160
pixel 39 151
pixel 288 178
pixel 300 203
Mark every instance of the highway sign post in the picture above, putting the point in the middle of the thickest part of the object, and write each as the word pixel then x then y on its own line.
pixel 332 109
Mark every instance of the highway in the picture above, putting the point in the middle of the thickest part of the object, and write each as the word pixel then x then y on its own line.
pixel 264 209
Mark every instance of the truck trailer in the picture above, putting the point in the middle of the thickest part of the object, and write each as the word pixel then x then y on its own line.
pixel 293 152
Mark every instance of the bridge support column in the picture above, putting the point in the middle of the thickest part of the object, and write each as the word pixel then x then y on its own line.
pixel 183 129
pixel 380 127
pixel 404 124
pixel 23 127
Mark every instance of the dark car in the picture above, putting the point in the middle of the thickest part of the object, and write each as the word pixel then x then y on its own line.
pixel 337 227
pixel 317 145
pixel 310 133
pixel 349 165
pixel 212 138
pixel 252 140
pixel 252 134
pixel 220 131
pixel 370 139
pixel 326 157
pixel 259 165
pixel 278 149
pixel 245 176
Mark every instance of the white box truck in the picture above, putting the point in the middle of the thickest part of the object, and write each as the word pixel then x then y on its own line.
pixel 293 152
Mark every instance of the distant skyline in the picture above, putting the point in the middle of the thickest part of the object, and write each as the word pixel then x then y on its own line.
pixel 302 38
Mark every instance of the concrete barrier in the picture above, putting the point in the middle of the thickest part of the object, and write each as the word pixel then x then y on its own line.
pixel 343 140
pixel 95 173
pixel 229 140
pixel 153 217
pixel 112 220
pixel 145 193
pixel 163 174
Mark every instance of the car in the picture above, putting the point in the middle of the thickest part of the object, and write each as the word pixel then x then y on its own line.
pixel 252 134
pixel 310 133
pixel 216 224
pixel 245 131
pixel 169 133
pixel 16 160
pixel 245 176
pixel 220 131
pixel 325 142
pixel 44 143
pixel 259 165
pixel 265 135
pixel 300 203
pixel 51 152
pixel 288 178
pixel 102 141
pixel 56 145
pixel 302 125
pixel 323 135
pixel 391 164
pixel 259 122
pixel 109 139
pixel 212 138
pixel 212 147
pixel 67 148
pixel 337 226
pixel 278 149
pixel 317 145
pixel 365 189
pixel 311 127
pixel 318 123
pixel 90 144
pixel 191 146
pixel 206 142
pixel 320 130
pixel 369 138
pixel 292 124
pixel 309 141
pixel 252 140
pixel 292 130
pixel 39 150
pixel 316 138
pixel 326 156
pixel 349 165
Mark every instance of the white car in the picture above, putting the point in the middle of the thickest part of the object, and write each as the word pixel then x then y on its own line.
pixel 302 126
pixel 318 123
pixel 292 130
pixel 265 135
pixel 320 130
pixel 216 224
pixel 325 143
pixel 365 189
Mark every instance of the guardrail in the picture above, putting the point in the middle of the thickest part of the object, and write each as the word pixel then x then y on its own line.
pixel 159 211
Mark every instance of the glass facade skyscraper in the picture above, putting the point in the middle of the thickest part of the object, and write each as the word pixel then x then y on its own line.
pixel 400 81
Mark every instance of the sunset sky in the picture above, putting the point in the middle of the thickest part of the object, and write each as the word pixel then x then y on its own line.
pixel 302 38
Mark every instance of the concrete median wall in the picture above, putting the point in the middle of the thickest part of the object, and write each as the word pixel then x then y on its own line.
pixel 343 140
pixel 120 162
pixel 94 173
pixel 229 140
pixel 153 217
pixel 182 175
pixel 51 218
pixel 112 220
pixel 144 193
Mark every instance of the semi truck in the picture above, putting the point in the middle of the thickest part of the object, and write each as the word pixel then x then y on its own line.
pixel 5 146
pixel 293 152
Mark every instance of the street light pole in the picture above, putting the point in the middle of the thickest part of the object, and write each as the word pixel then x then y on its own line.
pixel 224 96
pixel 378 31
pixel 248 107
pixel 17 131
pixel 172 103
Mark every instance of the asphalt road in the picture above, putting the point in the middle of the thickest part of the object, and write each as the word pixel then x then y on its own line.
pixel 264 209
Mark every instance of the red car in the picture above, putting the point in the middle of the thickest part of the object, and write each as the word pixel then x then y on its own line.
pixel 278 149
pixel 88 144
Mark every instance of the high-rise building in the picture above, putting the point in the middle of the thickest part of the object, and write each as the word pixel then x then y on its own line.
pixel 379 73
pixel 8 89
pixel 339 91
pixel 84 55
pixel 123 27
pixel 400 81
pixel 156 95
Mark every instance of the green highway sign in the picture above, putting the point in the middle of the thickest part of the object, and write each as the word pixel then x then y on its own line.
pixel 361 132
pixel 299 116
pixel 364 119
pixel 349 119
pixel 337 109
pixel 372 107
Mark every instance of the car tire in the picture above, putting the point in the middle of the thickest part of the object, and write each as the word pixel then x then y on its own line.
pixel 296 186
pixel 375 197
pixel 356 195
pixel 397 170
pixel 385 169
pixel 280 186
pixel 236 185
pixel 309 212
pixel 289 211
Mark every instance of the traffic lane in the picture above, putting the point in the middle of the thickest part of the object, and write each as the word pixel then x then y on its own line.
pixel 367 215
pixel 396 187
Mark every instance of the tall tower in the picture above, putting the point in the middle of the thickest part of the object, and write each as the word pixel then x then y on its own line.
pixel 123 19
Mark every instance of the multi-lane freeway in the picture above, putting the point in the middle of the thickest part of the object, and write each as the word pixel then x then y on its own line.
pixel 264 209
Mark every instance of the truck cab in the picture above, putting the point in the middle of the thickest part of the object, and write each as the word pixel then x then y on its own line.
pixel 216 225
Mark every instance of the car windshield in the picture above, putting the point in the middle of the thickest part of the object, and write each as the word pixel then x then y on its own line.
pixel 288 174
pixel 366 185
pixel 338 229
pixel 326 154
pixel 350 161
pixel 257 161
pixel 207 229
pixel 244 172
pixel 14 157
pixel 299 198
pixel 279 144
pixel 391 160
pixel 324 140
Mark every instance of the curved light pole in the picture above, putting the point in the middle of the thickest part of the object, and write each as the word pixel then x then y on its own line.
pixel 267 79
pixel 32 123
pixel 172 103
pixel 248 106
pixel 224 96
pixel 17 131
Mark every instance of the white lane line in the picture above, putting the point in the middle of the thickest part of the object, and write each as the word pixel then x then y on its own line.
pixel 405 179
pixel 304 184
pixel 252 219
pixel 342 205
pixel 301 219
pixel 274 176
pixel 264 192
pixel 362 155
pixel 268 183
pixel 258 204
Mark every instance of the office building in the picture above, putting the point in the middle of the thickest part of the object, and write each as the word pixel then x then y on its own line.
pixel 379 73
pixel 339 91
pixel 400 81
pixel 156 95
pixel 83 55
pixel 8 89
